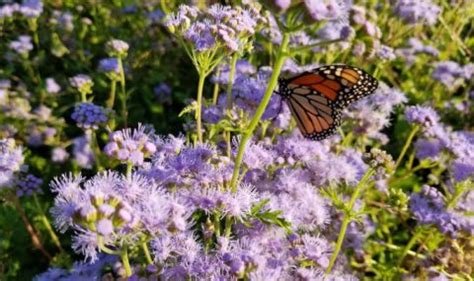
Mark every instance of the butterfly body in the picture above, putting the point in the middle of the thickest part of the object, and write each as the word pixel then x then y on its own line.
pixel 317 98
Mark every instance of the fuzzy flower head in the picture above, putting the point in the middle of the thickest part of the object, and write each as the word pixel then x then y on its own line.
pixel 219 27
pixel 11 161
pixel 22 45
pixel 31 8
pixel 326 10
pixel 110 67
pixel 423 116
pixel 28 185
pixel 417 11
pixel 83 83
pixel 52 86
pixel 117 48
pixel 90 116
pixel 131 146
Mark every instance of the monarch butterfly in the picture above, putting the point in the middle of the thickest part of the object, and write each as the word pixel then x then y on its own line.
pixel 317 98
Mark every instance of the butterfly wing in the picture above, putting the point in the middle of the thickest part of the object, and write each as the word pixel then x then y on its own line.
pixel 316 98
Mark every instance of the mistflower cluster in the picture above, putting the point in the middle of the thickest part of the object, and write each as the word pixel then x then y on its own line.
pixel 11 161
pixel 22 46
pixel 452 74
pixel 117 48
pixel 428 207
pixel 113 210
pixel 83 83
pixel 52 86
pixel 417 11
pixel 326 10
pixel 162 92
pixel 90 116
pixel 415 47
pixel 82 151
pixel 220 26
pixel 28 185
pixel 426 118
pixel 131 146
pixel 110 66
pixel 370 115
pixel 31 8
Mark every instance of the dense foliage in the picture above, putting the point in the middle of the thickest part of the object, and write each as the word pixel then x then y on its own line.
pixel 145 140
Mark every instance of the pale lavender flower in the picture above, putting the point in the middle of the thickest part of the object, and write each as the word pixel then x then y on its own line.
pixel 428 207
pixel 52 86
pixel 448 72
pixel 59 155
pixel 22 46
pixel 7 10
pixel 82 151
pixel 370 115
pixel 117 48
pixel 424 116
pixel 109 65
pixel 28 185
pixel 326 10
pixel 131 146
pixel 82 82
pixel 90 116
pixel 31 8
pixel 417 11
pixel 386 53
pixel 11 161
pixel 162 92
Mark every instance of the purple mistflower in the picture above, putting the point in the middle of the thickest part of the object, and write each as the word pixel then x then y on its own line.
pixel 28 185
pixel 162 92
pixel 131 146
pixel 109 65
pixel 282 5
pixel 82 151
pixel 59 155
pixel 52 86
pixel 11 161
pixel 7 10
pixel 31 8
pixel 117 48
pixel 428 207
pixel 430 149
pixel 64 20
pixel 155 16
pixel 447 72
pixel 116 207
pixel 90 116
pixel 421 115
pixel 326 10
pixel 417 11
pixel 82 82
pixel 23 45
pixel 243 68
pixel 370 115
pixel 386 53
pixel 335 30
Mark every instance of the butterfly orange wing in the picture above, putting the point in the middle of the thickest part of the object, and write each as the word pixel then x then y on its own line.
pixel 317 98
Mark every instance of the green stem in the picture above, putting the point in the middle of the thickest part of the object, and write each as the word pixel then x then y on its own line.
pixel 202 78
pixel 280 60
pixel 35 239
pixel 123 94
pixel 233 64
pixel 348 218
pixel 228 226
pixel 408 246
pixel 217 224
pixel 47 224
pixel 215 93
pixel 125 261
pixel 129 170
pixel 111 100
pixel 406 146
pixel 149 260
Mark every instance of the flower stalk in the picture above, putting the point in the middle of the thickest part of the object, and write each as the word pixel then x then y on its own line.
pixel 348 217
pixel 280 60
